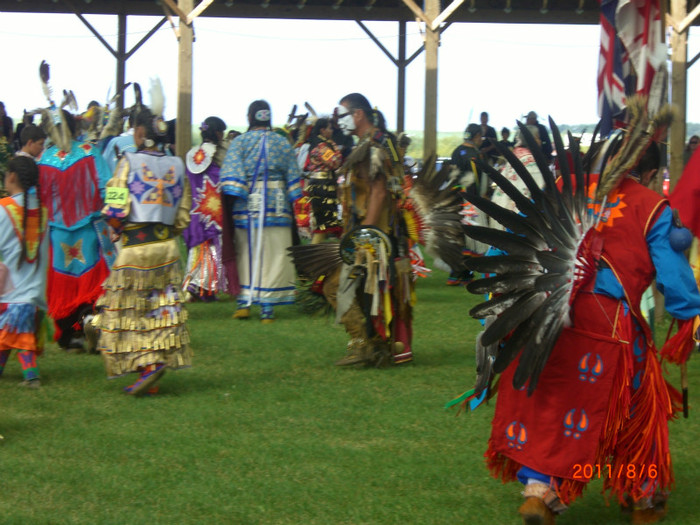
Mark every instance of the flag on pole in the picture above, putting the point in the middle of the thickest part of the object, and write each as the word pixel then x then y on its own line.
pixel 641 32
pixel 632 51
pixel 611 87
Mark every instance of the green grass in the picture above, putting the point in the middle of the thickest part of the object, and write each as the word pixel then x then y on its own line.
pixel 263 429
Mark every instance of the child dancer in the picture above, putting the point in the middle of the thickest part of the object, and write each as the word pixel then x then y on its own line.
pixel 142 322
pixel 24 252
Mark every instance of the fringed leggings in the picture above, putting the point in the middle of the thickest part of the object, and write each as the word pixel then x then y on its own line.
pixel 26 358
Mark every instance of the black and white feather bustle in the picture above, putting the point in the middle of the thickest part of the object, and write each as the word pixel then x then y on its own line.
pixel 543 262
pixel 439 204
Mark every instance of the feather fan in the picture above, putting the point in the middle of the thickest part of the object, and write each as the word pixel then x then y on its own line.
pixel 313 260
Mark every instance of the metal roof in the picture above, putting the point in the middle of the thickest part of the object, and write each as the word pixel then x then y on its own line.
pixel 498 11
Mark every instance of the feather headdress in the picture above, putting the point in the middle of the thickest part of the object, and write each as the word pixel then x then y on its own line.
pixel 114 108
pixel 53 115
pixel 157 97
pixel 44 75
pixel 138 98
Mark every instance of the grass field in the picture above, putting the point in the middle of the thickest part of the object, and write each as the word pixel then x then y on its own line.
pixel 263 429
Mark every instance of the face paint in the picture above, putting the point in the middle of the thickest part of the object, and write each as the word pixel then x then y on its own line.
pixel 345 121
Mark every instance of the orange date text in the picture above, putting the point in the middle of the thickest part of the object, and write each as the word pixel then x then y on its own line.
pixel 588 471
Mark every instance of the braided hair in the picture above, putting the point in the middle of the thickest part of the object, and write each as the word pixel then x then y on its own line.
pixel 28 178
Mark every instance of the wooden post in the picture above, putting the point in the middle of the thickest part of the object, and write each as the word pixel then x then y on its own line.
pixel 432 40
pixel 679 87
pixel 183 128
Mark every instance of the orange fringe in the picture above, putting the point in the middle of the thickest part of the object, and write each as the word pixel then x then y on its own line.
pixel 500 466
pixel 205 262
pixel 506 469
pixel 678 348
pixel 618 408
pixel 642 442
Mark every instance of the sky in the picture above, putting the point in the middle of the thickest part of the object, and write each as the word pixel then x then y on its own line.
pixel 504 69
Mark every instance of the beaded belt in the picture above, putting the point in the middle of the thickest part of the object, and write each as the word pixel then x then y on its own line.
pixel 320 175
pixel 146 233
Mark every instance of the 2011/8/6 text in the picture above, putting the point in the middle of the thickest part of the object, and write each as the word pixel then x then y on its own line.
pixel 607 470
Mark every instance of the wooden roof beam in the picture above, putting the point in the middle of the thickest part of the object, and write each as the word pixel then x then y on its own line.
pixel 187 19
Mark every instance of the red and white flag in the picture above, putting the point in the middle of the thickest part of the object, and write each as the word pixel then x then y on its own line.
pixel 613 69
pixel 640 28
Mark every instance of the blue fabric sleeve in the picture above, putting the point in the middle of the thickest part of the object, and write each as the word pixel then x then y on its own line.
pixel 674 278
pixel 292 174
pixel 232 175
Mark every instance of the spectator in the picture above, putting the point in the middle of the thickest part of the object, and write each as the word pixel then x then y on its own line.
pixel 464 157
pixel 505 136
pixel 545 141
pixel 690 148
pixel 27 119
pixel 6 137
pixel 488 150
pixel 7 124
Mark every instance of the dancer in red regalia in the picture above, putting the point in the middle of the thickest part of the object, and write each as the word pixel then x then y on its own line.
pixel 581 392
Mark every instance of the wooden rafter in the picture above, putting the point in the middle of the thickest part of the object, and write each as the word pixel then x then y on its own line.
pixel 188 18
pixel 435 23
pixel 418 12
pixel 445 14
pixel 175 9
pixel 198 10
pixel 169 16
pixel 689 19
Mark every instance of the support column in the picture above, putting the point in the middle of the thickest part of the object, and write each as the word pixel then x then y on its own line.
pixel 432 40
pixel 183 129
pixel 401 84
pixel 679 88
pixel 121 56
